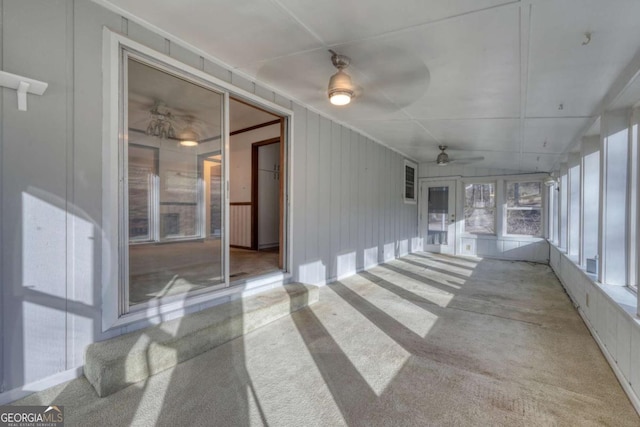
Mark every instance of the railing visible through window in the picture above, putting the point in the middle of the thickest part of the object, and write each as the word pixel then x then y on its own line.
pixel 480 208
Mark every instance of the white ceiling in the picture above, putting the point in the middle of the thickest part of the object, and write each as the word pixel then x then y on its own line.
pixel 485 77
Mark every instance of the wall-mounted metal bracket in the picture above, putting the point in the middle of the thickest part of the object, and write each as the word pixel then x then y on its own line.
pixel 22 85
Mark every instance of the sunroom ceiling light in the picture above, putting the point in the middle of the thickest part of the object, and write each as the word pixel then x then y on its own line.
pixel 189 137
pixel 340 86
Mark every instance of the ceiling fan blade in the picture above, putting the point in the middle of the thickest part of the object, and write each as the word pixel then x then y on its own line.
pixel 466 160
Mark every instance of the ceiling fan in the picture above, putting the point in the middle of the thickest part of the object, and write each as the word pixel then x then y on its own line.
pixel 444 160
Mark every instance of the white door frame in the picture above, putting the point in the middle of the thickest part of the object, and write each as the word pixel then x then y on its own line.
pixel 112 243
pixel 452 183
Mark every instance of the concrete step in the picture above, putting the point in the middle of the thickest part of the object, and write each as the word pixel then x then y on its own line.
pixel 116 363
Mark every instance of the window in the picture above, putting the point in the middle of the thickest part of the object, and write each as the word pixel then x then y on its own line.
pixel 633 206
pixel 143 170
pixel 573 245
pixel 524 208
pixel 410 181
pixel 616 209
pixel 590 201
pixel 479 208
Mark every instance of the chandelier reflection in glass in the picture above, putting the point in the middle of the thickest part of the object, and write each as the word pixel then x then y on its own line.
pixel 160 124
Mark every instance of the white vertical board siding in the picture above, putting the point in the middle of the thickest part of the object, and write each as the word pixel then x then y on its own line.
pixel 362 198
pixel 334 169
pixel 324 197
pixel 240 225
pixel 2 345
pixel 35 192
pixel 353 206
pixel 311 269
pixel 348 210
pixel 298 190
pixel 616 330
pixel 343 188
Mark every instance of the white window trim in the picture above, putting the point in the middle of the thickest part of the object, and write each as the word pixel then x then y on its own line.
pixel 111 213
pixel 414 165
pixel 542 209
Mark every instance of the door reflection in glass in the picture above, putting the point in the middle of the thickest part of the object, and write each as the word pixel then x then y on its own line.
pixel 174 184
pixel 438 212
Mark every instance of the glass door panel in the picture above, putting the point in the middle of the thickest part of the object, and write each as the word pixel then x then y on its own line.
pixel 174 176
pixel 438 216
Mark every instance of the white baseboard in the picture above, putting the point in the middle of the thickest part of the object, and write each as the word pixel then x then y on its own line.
pixel 631 394
pixel 43 384
pixel 633 397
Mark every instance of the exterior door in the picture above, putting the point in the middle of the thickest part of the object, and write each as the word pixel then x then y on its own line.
pixel 437 216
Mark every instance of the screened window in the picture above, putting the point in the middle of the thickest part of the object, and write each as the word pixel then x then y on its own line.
pixel 410 179
pixel 524 208
pixel 480 208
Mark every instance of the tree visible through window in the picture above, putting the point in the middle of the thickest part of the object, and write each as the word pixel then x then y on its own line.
pixel 524 208
pixel 479 208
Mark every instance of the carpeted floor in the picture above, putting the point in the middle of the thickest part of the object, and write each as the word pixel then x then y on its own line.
pixel 424 340
pixel 174 268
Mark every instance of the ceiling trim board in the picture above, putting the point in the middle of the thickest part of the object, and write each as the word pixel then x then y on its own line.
pixel 427 131
pixel 512 3
pixel 556 117
pixel 524 17
pixel 299 22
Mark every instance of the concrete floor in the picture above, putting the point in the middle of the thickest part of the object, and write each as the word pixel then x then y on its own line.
pixel 424 340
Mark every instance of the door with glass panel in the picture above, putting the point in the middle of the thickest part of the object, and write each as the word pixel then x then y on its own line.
pixel 173 169
pixel 437 216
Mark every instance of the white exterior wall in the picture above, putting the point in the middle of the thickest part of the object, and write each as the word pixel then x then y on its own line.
pixel 490 246
pixel 347 210
pixel 351 211
pixel 609 313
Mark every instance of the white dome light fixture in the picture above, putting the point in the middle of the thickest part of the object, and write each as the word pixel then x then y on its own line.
pixel 340 87
pixel 189 137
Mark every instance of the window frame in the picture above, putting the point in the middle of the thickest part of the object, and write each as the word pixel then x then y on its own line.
pixel 410 200
pixel 480 181
pixel 505 211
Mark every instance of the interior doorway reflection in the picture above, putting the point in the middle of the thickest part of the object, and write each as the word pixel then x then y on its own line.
pixel 174 173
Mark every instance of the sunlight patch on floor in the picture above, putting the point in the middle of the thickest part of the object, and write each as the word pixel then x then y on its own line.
pixel 417 319
pixel 403 283
pixel 363 353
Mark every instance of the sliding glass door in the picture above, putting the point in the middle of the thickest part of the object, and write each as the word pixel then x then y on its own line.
pixel 173 170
